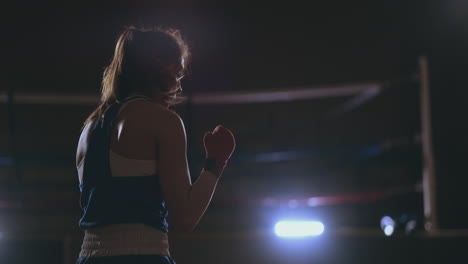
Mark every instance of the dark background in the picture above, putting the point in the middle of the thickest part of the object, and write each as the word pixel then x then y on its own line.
pixel 62 48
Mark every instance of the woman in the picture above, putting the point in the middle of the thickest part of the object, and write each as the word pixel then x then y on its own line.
pixel 131 156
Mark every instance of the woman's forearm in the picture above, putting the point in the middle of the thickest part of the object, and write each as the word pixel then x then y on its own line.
pixel 199 198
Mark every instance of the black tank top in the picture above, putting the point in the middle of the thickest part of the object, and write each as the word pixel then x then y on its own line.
pixel 107 200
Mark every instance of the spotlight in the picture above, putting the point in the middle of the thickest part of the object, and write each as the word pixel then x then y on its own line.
pixel 299 228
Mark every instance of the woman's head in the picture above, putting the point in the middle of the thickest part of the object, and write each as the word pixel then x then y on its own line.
pixel 149 62
pixel 146 61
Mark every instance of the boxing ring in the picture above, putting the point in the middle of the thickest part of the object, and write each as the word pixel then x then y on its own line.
pixel 357 94
pixel 360 93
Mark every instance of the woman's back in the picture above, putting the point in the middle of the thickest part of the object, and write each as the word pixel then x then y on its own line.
pixel 134 134
pixel 133 153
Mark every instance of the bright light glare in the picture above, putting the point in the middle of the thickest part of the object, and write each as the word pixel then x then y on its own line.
pixel 388 230
pixel 388 225
pixel 299 228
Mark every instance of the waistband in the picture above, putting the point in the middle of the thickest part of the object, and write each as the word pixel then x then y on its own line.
pixel 124 239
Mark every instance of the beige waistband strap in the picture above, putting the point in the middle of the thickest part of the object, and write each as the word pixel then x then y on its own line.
pixel 124 239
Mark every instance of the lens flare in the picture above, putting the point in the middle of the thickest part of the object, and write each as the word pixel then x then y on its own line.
pixel 387 224
pixel 299 228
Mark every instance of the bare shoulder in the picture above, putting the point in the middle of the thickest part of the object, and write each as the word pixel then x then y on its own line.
pixel 155 110
pixel 161 118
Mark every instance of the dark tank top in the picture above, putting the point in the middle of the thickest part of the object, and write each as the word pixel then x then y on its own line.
pixel 107 200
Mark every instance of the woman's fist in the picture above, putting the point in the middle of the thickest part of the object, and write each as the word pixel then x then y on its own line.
pixel 219 146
